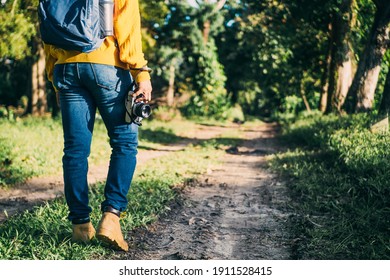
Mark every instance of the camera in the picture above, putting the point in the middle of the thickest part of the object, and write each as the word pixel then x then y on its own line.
pixel 136 111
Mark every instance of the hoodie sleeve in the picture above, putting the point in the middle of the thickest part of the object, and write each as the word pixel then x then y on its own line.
pixel 127 30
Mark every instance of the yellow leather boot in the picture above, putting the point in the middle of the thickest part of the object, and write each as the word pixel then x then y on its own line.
pixel 83 233
pixel 109 232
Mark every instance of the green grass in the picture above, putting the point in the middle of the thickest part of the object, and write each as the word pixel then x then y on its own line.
pixel 34 146
pixel 340 187
pixel 28 148
pixel 44 232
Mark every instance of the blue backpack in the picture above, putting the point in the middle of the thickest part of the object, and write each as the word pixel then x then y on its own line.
pixel 71 24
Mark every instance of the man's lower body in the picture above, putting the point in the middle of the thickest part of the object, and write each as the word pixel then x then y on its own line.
pixel 83 89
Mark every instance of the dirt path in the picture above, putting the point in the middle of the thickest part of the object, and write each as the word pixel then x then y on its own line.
pixel 236 212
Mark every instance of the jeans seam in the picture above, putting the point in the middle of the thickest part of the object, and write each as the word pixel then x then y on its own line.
pixel 78 72
pixel 97 80
pixel 64 74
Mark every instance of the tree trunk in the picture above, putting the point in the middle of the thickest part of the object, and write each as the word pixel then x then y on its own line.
pixel 302 92
pixel 307 105
pixel 366 78
pixel 207 24
pixel 38 82
pixel 206 31
pixel 171 87
pixel 325 77
pixel 344 81
pixel 384 108
pixel 340 77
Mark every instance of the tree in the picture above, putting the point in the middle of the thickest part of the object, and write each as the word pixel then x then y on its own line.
pixel 153 14
pixel 341 56
pixel 39 103
pixel 173 47
pixel 270 57
pixel 190 60
pixel 366 77
pixel 272 54
pixel 207 23
pixel 17 30
pixel 209 81
pixel 384 108
pixel 326 73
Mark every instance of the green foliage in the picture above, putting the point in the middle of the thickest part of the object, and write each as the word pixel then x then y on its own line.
pixel 260 55
pixel 14 87
pixel 211 97
pixel 196 63
pixel 362 152
pixel 340 188
pixel 365 11
pixel 153 14
pixel 16 31
pixel 314 131
pixel 235 114
pixel 274 51
pixel 266 50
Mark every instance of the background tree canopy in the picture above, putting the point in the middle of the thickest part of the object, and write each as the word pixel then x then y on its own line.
pixel 230 59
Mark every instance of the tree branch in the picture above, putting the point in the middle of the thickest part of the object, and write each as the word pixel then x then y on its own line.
pixel 220 4
pixel 14 4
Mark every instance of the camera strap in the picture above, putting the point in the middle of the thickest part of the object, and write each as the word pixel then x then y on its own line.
pixel 142 69
pixel 129 117
pixel 129 97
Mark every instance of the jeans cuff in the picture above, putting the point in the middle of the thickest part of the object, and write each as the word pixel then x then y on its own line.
pixel 111 210
pixel 81 221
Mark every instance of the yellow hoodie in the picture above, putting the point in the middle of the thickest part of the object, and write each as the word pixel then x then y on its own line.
pixel 123 50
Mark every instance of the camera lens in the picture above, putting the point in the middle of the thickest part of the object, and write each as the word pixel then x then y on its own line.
pixel 142 110
pixel 146 111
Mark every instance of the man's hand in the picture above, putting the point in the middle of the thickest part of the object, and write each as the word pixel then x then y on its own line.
pixel 144 88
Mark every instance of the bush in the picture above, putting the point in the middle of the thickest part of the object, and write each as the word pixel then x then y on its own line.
pixel 235 114
pixel 362 151
pixel 341 187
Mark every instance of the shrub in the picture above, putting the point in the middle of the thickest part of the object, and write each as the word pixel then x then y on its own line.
pixel 340 186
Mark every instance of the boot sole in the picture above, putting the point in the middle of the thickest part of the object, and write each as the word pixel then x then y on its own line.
pixel 106 239
pixel 85 239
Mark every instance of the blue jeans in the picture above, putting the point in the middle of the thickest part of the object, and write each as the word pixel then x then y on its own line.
pixel 83 88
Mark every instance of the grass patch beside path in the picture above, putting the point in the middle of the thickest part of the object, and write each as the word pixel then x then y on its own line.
pixel 34 146
pixel 44 232
pixel 29 147
pixel 340 184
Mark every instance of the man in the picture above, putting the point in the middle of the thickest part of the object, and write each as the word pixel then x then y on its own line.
pixel 100 80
